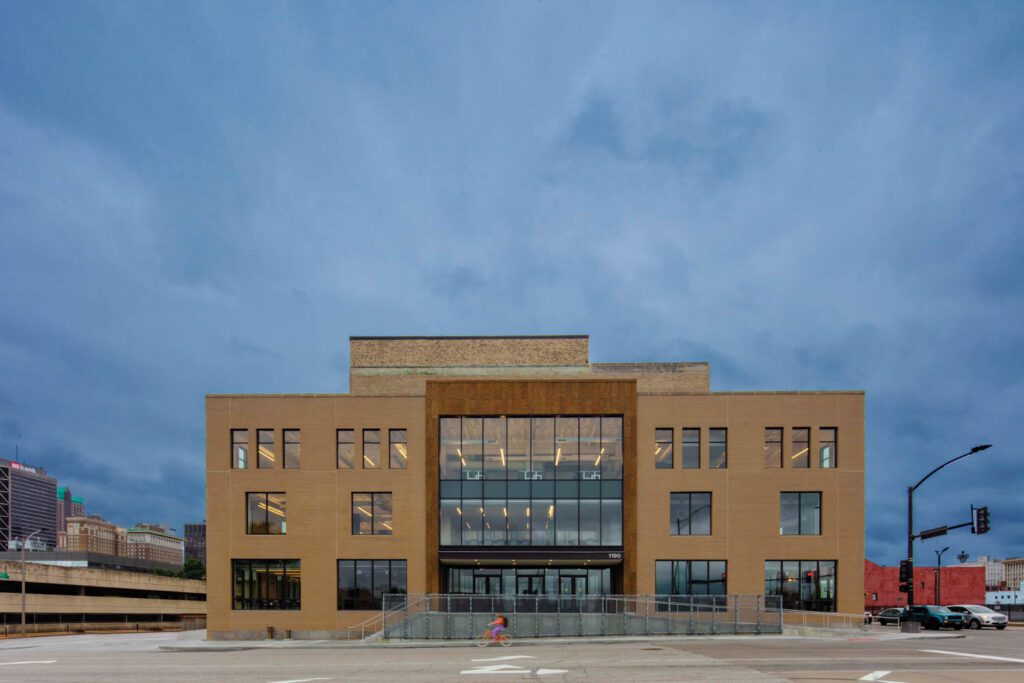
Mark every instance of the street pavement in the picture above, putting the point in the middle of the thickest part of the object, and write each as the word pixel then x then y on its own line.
pixel 880 655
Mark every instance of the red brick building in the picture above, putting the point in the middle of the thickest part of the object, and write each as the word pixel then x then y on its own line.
pixel 958 586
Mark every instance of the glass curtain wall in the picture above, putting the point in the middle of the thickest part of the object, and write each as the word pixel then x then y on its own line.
pixel 531 481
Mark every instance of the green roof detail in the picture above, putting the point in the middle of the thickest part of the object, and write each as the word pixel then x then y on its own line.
pixel 61 490
pixel 77 499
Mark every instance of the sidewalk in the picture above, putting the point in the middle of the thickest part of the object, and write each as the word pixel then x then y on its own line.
pixel 197 644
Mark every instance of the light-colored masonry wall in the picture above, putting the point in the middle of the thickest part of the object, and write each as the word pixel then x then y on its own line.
pixel 84 604
pixel 745 496
pixel 402 367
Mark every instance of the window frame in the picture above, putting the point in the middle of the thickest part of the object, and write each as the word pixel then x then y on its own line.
pixel 690 580
pixel 235 444
pixel 834 463
pixel 805 452
pixel 374 465
pixel 286 453
pixel 373 513
pixel 781 443
pixel 660 443
pixel 266 502
pixel 355 604
pixel 674 528
pixel 339 443
pixel 259 449
pixel 244 603
pixel 725 447
pixel 392 444
pixel 800 512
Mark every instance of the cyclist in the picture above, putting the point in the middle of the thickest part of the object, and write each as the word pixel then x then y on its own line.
pixel 499 625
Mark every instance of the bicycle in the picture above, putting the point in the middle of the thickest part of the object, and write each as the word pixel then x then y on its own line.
pixel 485 639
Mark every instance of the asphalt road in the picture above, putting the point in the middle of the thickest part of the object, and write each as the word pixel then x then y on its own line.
pixel 989 656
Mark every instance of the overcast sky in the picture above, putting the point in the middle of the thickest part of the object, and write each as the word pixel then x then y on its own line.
pixel 212 197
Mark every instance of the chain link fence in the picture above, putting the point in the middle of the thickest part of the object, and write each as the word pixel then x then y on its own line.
pixel 456 616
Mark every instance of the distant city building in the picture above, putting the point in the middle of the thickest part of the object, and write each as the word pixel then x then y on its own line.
pixel 63 510
pixel 28 503
pixel 195 541
pixel 1013 572
pixel 957 585
pixel 995 574
pixel 155 543
pixel 1006 597
pixel 93 535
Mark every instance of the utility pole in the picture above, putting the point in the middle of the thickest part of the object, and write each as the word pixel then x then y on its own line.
pixel 910 515
pixel 25 541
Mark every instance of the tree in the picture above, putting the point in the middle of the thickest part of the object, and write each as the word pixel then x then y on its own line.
pixel 193 569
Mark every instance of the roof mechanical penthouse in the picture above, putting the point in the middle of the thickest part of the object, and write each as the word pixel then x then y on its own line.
pixel 514 465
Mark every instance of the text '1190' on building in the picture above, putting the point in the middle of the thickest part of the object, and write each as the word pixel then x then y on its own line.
pixel 513 466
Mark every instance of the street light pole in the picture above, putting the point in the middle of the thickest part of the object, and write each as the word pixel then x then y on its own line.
pixel 910 514
pixel 24 542
pixel 938 574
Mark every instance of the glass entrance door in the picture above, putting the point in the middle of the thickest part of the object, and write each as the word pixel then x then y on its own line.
pixel 487 585
pixel 575 586
pixel 530 585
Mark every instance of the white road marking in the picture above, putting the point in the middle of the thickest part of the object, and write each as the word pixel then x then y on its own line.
pixel 875 675
pixel 301 680
pixel 40 661
pixel 968 654
pixel 497 669
pixel 545 672
pixel 503 659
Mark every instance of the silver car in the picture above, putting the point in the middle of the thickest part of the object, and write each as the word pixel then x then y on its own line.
pixel 977 616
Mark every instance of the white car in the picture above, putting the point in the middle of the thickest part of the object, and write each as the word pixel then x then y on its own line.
pixel 977 616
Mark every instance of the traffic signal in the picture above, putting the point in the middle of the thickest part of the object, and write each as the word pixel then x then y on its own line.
pixel 981 525
pixel 906 575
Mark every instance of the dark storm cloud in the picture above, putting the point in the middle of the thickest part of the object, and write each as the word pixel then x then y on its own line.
pixel 211 198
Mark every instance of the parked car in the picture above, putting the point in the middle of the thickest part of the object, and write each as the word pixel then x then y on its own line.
pixel 934 617
pixel 890 616
pixel 977 616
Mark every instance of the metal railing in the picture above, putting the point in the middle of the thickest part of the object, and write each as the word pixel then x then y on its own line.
pixel 458 616
pixel 832 621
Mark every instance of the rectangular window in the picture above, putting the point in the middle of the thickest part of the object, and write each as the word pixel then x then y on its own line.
pixel 827 447
pixel 611 448
pixel 362 584
pixel 346 449
pixel 773 447
pixel 267 584
pixel 494 448
pixel 371 514
pixel 691 449
pixel 800 513
pixel 718 455
pixel 265 513
pixel 663 448
pixel 451 448
pixel 240 448
pixel 398 449
pixel 802 584
pixel 799 455
pixel 567 448
pixel 371 449
pixel 690 577
pixel 690 514
pixel 292 448
pixel 268 454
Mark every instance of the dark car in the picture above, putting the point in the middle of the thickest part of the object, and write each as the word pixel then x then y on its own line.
pixel 890 616
pixel 934 617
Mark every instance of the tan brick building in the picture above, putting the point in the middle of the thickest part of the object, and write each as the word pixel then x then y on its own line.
pixel 513 465
pixel 93 535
